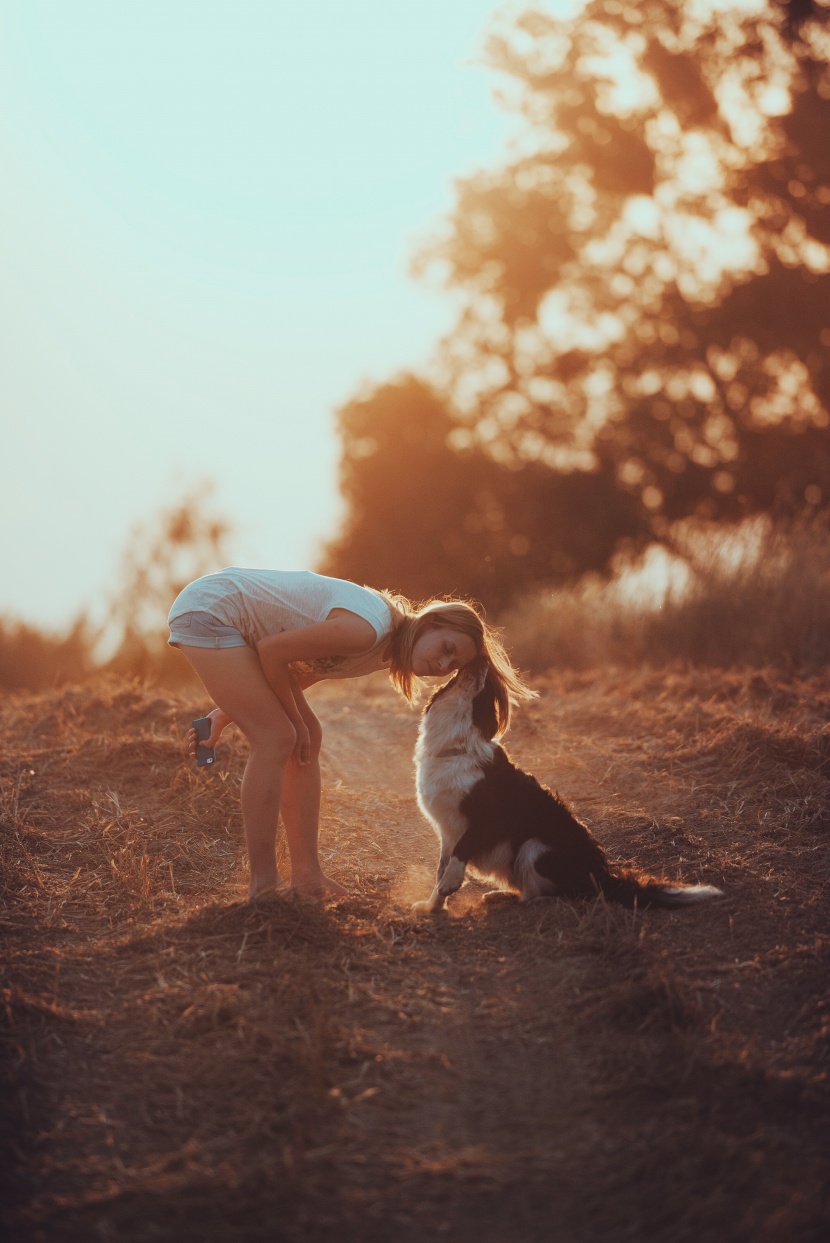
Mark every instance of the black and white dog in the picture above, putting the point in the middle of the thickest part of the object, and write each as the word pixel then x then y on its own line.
pixel 500 822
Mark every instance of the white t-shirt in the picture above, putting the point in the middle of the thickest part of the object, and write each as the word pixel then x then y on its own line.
pixel 263 602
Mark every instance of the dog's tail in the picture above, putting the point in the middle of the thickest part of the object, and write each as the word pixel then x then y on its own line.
pixel 641 891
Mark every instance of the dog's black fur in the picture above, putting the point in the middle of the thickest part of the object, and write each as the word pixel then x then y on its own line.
pixel 501 822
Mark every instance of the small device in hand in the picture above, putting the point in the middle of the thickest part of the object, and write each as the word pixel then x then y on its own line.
pixel 204 755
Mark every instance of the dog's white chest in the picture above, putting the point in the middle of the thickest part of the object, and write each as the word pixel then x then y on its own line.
pixel 449 762
pixel 441 786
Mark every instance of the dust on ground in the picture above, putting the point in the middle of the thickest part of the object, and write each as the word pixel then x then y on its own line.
pixel 183 1066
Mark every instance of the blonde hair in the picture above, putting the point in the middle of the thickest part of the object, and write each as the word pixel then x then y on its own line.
pixel 410 622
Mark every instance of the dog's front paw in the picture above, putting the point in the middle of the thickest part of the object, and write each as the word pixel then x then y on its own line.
pixel 427 907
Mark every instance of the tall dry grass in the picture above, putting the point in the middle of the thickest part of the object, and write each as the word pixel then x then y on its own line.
pixel 33 659
pixel 746 597
pixel 753 597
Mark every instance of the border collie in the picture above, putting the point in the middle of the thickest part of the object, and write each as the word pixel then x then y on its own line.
pixel 500 822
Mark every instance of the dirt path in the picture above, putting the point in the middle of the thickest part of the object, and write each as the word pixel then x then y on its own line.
pixel 184 1066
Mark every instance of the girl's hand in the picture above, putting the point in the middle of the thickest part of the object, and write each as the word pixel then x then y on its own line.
pixel 301 755
pixel 309 733
pixel 218 721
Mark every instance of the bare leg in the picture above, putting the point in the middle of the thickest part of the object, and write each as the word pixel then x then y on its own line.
pixel 234 680
pixel 301 817
pixel 260 800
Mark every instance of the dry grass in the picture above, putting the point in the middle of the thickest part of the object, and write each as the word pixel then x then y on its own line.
pixel 181 1065
pixel 739 597
pixel 753 596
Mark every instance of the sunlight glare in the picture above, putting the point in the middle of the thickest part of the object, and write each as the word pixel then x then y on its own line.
pixel 623 87
pixel 649 580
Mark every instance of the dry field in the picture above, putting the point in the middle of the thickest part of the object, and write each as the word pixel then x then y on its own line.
pixel 182 1066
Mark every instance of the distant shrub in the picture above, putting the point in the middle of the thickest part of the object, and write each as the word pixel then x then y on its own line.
pixel 747 597
pixel 182 542
pixel 755 596
pixel 35 660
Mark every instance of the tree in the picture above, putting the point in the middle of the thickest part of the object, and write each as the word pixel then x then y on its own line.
pixel 645 293
pixel 647 283
pixel 428 515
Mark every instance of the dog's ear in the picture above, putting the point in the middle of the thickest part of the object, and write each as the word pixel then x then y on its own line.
pixel 485 707
pixel 481 671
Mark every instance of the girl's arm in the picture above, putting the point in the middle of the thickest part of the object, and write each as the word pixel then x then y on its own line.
pixel 342 633
pixel 309 720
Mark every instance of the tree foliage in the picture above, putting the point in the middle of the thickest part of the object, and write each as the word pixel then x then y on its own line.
pixel 426 518
pixel 647 284
pixel 645 291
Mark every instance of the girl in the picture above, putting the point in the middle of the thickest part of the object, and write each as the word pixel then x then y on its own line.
pixel 259 638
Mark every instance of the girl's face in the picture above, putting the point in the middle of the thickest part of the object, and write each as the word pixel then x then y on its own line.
pixel 441 650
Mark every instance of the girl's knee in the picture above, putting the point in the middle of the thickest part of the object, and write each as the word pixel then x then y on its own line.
pixel 276 739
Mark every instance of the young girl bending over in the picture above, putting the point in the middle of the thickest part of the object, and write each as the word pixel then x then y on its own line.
pixel 259 638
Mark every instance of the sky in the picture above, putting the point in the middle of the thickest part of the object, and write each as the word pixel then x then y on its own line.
pixel 208 213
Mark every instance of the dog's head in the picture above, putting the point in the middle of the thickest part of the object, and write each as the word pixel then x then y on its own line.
pixel 476 688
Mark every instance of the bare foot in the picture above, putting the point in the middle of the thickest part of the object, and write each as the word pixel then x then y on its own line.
pixel 320 888
pixel 267 886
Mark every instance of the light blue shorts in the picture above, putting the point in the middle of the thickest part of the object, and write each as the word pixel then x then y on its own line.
pixel 203 630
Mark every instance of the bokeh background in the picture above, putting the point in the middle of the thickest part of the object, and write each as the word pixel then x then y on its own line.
pixel 525 303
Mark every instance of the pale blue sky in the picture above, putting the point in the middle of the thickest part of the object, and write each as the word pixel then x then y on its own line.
pixel 208 212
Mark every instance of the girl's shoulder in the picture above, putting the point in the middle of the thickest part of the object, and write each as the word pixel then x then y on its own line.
pixel 367 603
